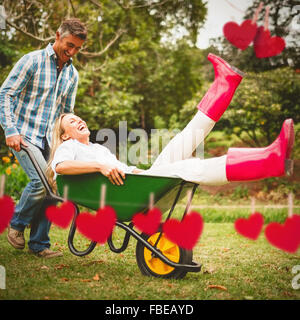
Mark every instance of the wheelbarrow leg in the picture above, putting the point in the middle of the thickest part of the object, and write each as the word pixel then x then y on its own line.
pixel 71 238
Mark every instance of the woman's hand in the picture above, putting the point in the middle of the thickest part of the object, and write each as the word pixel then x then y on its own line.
pixel 114 174
pixel 136 170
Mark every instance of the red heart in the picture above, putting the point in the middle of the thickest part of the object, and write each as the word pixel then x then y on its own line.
pixel 266 46
pixel 61 216
pixel 295 220
pixel 97 227
pixel 285 236
pixel 240 36
pixel 7 208
pixel 251 227
pixel 184 233
pixel 149 222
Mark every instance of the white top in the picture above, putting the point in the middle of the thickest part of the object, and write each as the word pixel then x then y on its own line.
pixel 75 150
pixel 207 172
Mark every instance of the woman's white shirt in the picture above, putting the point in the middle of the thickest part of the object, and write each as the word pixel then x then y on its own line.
pixel 75 150
pixel 208 172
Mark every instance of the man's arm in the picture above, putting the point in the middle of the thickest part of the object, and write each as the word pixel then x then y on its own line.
pixel 12 86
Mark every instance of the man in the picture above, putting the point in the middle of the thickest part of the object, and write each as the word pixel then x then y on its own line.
pixel 41 86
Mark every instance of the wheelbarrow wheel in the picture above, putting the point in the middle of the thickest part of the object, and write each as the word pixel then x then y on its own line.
pixel 150 265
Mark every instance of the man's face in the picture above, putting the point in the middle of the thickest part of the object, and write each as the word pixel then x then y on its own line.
pixel 67 47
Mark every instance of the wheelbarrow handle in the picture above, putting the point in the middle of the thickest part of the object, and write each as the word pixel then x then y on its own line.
pixel 41 175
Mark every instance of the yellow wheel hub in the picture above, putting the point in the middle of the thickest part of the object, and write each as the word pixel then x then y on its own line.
pixel 167 248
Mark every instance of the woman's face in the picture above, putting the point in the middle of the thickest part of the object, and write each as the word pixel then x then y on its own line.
pixel 74 128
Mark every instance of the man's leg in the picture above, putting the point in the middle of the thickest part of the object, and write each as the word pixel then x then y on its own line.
pixel 31 201
pixel 40 225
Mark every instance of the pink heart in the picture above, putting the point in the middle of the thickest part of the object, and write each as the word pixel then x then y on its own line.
pixel 61 216
pixel 147 222
pixel 97 227
pixel 285 236
pixel 251 227
pixel 7 208
pixel 240 36
pixel 184 233
pixel 266 46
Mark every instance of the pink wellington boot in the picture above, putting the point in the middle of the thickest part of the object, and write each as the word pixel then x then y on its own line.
pixel 220 93
pixel 246 164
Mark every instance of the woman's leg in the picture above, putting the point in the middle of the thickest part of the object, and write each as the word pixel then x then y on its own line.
pixel 184 143
pixel 260 163
pixel 240 164
pixel 211 108
pixel 205 172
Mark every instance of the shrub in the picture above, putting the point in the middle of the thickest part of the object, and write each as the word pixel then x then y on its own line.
pixel 15 177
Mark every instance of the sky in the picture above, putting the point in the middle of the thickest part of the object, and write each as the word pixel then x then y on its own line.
pixel 220 12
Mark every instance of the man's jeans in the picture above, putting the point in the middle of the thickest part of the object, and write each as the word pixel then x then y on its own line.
pixel 32 205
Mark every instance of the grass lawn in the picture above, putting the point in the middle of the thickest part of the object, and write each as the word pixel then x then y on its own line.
pixel 233 268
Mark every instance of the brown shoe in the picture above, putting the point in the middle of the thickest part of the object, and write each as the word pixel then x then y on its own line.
pixel 16 238
pixel 47 253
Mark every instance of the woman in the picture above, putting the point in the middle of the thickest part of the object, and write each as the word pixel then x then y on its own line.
pixel 72 152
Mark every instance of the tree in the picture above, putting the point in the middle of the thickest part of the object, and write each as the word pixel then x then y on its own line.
pixel 126 72
pixel 282 23
pixel 261 104
pixel 270 91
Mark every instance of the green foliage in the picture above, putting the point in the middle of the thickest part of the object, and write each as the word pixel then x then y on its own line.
pixel 7 56
pixel 240 192
pixel 282 22
pixel 126 71
pixel 15 177
pixel 16 182
pixel 141 82
pixel 129 72
pixel 261 104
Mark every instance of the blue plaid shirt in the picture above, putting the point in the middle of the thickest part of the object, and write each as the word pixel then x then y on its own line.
pixel 34 95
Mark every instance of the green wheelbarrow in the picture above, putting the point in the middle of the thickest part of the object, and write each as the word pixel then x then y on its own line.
pixel 155 255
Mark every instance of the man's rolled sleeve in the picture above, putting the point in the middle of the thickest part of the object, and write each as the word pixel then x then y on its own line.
pixel 12 86
pixel 10 132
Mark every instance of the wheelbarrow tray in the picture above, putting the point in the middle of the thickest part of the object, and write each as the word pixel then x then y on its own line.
pixel 127 199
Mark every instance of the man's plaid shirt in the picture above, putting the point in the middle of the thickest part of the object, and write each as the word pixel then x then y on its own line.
pixel 32 96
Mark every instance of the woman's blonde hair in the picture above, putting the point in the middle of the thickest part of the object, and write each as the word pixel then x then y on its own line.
pixel 56 141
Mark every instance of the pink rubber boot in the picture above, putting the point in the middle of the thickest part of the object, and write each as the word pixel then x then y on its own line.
pixel 220 93
pixel 246 164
